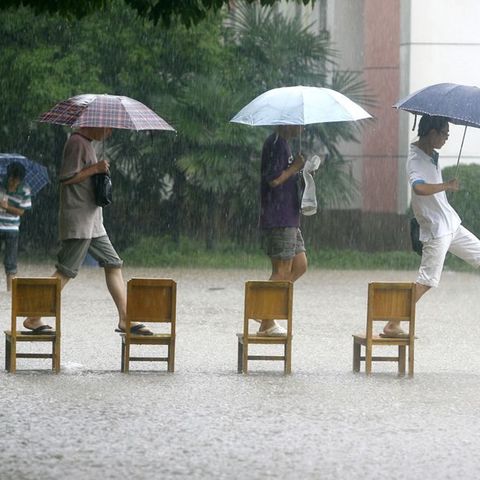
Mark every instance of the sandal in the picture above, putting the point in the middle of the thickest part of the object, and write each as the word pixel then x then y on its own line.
pixel 139 329
pixel 275 331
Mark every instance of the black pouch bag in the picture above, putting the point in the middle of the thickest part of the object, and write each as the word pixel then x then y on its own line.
pixel 417 245
pixel 102 185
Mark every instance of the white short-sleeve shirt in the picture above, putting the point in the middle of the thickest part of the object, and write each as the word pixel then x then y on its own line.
pixel 435 215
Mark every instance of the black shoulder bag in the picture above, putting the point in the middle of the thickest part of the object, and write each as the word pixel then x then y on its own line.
pixel 102 186
pixel 417 245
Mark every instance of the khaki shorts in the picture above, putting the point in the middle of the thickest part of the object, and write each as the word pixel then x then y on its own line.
pixel 282 243
pixel 73 252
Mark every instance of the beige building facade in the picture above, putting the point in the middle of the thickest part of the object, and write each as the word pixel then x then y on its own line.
pixel 399 46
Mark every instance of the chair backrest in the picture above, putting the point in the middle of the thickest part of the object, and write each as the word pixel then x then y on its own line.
pixel 151 300
pixel 268 300
pixel 36 297
pixel 391 301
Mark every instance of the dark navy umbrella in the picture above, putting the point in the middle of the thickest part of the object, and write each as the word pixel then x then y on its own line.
pixel 459 103
pixel 36 175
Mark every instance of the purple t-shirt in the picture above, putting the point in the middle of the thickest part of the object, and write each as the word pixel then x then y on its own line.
pixel 280 206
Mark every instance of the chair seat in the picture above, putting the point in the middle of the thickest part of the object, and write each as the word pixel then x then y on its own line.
pixel 377 340
pixel 263 339
pixel 155 339
pixel 23 336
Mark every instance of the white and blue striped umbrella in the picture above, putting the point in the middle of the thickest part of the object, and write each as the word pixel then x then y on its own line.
pixel 36 175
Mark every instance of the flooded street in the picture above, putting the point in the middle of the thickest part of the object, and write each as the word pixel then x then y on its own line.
pixel 206 421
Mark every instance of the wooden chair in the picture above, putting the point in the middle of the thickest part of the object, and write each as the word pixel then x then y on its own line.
pixel 266 300
pixel 150 300
pixel 34 297
pixel 387 301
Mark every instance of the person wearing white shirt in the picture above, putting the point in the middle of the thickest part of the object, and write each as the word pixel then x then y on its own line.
pixel 440 226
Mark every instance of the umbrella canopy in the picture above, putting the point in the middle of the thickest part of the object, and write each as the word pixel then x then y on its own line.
pixel 105 111
pixel 36 175
pixel 459 103
pixel 299 105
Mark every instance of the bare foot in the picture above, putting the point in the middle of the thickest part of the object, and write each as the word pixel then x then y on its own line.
pixel 32 323
pixel 266 325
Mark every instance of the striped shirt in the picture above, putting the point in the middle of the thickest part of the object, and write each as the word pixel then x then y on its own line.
pixel 20 198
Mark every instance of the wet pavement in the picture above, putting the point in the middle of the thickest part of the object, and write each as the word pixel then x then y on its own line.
pixel 206 421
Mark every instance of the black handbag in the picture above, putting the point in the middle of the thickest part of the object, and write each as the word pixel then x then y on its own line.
pixel 417 245
pixel 102 186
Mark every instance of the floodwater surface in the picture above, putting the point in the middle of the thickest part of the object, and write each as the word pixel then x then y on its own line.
pixel 206 421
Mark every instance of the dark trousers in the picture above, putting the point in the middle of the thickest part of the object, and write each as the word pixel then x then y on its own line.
pixel 11 249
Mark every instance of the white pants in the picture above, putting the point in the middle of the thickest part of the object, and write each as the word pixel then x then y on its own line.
pixel 463 243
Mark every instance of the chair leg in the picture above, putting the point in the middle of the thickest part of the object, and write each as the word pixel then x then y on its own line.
pixel 126 356
pixel 401 359
pixel 122 357
pixel 411 355
pixel 245 358
pixel 171 356
pixel 240 357
pixel 56 353
pixel 368 359
pixel 53 355
pixel 288 357
pixel 7 353
pixel 356 356
pixel 13 356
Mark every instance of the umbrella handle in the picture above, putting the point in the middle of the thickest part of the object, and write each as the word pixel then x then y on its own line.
pixel 460 152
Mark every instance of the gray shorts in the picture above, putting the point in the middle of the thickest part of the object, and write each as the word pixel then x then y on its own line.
pixel 73 252
pixel 282 243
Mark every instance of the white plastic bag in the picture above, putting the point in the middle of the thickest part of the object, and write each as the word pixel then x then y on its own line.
pixel 309 199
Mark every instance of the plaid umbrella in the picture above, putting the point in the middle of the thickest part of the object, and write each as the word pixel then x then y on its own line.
pixel 105 111
pixel 36 175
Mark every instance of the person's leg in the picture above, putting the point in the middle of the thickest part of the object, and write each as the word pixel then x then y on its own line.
pixel 102 250
pixel 10 259
pixel 286 250
pixel 466 246
pixel 299 266
pixel 429 273
pixel 33 323
pixel 69 259
pixel 300 263
pixel 281 269
pixel 420 290
pixel 116 287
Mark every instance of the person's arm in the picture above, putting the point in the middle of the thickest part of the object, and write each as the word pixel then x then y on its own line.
pixel 421 188
pixel 10 209
pixel 292 169
pixel 100 167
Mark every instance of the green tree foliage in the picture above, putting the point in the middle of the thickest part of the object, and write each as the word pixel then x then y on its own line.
pixel 204 178
pixel 188 12
pixel 467 199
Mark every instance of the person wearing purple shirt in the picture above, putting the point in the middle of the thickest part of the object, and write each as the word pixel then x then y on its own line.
pixel 280 212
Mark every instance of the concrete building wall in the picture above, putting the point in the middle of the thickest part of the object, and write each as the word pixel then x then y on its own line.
pixel 381 71
pixel 344 21
pixel 399 46
pixel 440 42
